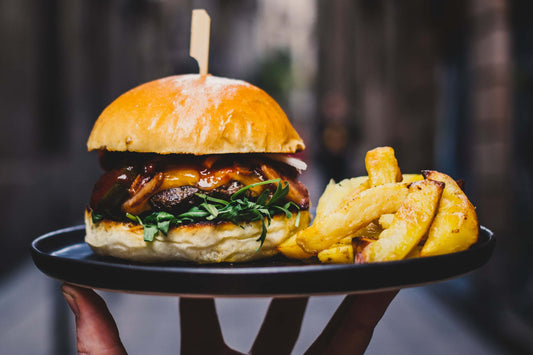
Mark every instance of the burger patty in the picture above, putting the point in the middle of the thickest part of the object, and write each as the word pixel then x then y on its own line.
pixel 180 199
pixel 175 200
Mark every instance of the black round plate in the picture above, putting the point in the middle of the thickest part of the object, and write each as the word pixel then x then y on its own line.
pixel 65 256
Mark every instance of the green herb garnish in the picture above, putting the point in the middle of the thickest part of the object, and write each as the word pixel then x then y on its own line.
pixel 97 217
pixel 237 210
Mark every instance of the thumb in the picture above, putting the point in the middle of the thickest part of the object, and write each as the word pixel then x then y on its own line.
pixel 96 330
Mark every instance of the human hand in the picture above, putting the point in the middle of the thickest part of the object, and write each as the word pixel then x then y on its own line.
pixel 348 332
pixel 96 331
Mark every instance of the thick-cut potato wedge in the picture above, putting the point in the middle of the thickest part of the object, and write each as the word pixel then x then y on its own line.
pixel 291 250
pixel 343 251
pixel 412 177
pixel 353 214
pixel 335 193
pixel 455 226
pixel 345 241
pixel 386 220
pixel 382 166
pixel 409 225
pixel 340 253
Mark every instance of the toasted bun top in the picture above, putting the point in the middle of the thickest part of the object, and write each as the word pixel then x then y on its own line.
pixel 193 114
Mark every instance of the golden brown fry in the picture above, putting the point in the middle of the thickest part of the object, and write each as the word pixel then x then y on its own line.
pixel 335 193
pixel 382 166
pixel 291 250
pixel 343 251
pixel 345 241
pixel 409 225
pixel 455 226
pixel 412 177
pixel 340 253
pixel 385 220
pixel 353 214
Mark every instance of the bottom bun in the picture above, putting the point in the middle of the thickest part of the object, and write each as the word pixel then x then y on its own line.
pixel 202 243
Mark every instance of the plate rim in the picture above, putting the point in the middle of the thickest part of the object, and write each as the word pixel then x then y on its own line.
pixel 229 270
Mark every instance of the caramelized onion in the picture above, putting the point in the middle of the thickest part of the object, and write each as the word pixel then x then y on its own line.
pixel 297 191
pixel 289 160
pixel 138 203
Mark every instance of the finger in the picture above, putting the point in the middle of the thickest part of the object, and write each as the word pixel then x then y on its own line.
pixel 200 329
pixel 96 330
pixel 350 329
pixel 281 326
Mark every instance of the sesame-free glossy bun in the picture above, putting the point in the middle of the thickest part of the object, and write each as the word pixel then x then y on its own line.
pixel 201 243
pixel 193 114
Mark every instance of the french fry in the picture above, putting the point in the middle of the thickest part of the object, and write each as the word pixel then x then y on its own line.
pixel 345 241
pixel 335 193
pixel 387 216
pixel 409 224
pixel 455 226
pixel 331 199
pixel 291 250
pixel 385 220
pixel 412 177
pixel 352 215
pixel 382 166
pixel 339 253
pixel 343 251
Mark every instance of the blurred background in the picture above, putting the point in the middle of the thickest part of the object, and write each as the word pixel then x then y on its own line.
pixel 447 83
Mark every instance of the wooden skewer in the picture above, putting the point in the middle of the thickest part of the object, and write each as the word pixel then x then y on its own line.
pixel 199 49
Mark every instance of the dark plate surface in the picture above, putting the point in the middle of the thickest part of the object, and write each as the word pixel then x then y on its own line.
pixel 63 255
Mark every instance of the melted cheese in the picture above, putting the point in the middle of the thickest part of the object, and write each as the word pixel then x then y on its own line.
pixel 179 177
pixel 207 179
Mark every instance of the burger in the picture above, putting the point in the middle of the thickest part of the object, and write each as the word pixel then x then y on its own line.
pixel 196 168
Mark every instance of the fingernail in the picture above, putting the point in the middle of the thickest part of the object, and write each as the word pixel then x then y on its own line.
pixel 71 301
